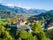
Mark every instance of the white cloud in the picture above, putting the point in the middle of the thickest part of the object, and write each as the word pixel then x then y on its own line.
pixel 10 5
pixel 1 1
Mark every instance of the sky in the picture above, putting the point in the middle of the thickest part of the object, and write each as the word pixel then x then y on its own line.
pixel 28 4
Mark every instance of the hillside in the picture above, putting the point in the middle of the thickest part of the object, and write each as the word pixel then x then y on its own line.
pixel 48 15
pixel 7 14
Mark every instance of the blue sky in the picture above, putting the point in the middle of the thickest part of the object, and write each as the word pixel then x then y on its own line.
pixel 37 4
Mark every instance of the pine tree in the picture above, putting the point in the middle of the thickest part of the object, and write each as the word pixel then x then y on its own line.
pixel 5 35
pixel 23 34
pixel 36 28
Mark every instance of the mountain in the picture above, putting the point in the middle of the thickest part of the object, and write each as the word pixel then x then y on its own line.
pixel 47 16
pixel 37 11
pixel 14 9
pixel 51 11
pixel 20 10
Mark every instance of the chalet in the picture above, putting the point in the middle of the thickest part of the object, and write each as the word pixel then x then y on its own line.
pixel 19 26
pixel 50 26
pixel 47 25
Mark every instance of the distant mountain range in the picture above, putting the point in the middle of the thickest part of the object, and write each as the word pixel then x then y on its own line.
pixel 20 10
pixel 7 11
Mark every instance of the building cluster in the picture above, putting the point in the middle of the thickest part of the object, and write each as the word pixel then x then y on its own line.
pixel 24 25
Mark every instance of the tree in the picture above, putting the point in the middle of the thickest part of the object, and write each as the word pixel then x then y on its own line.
pixel 31 37
pixel 19 38
pixel 36 27
pixel 5 35
pixel 24 34
pixel 41 35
